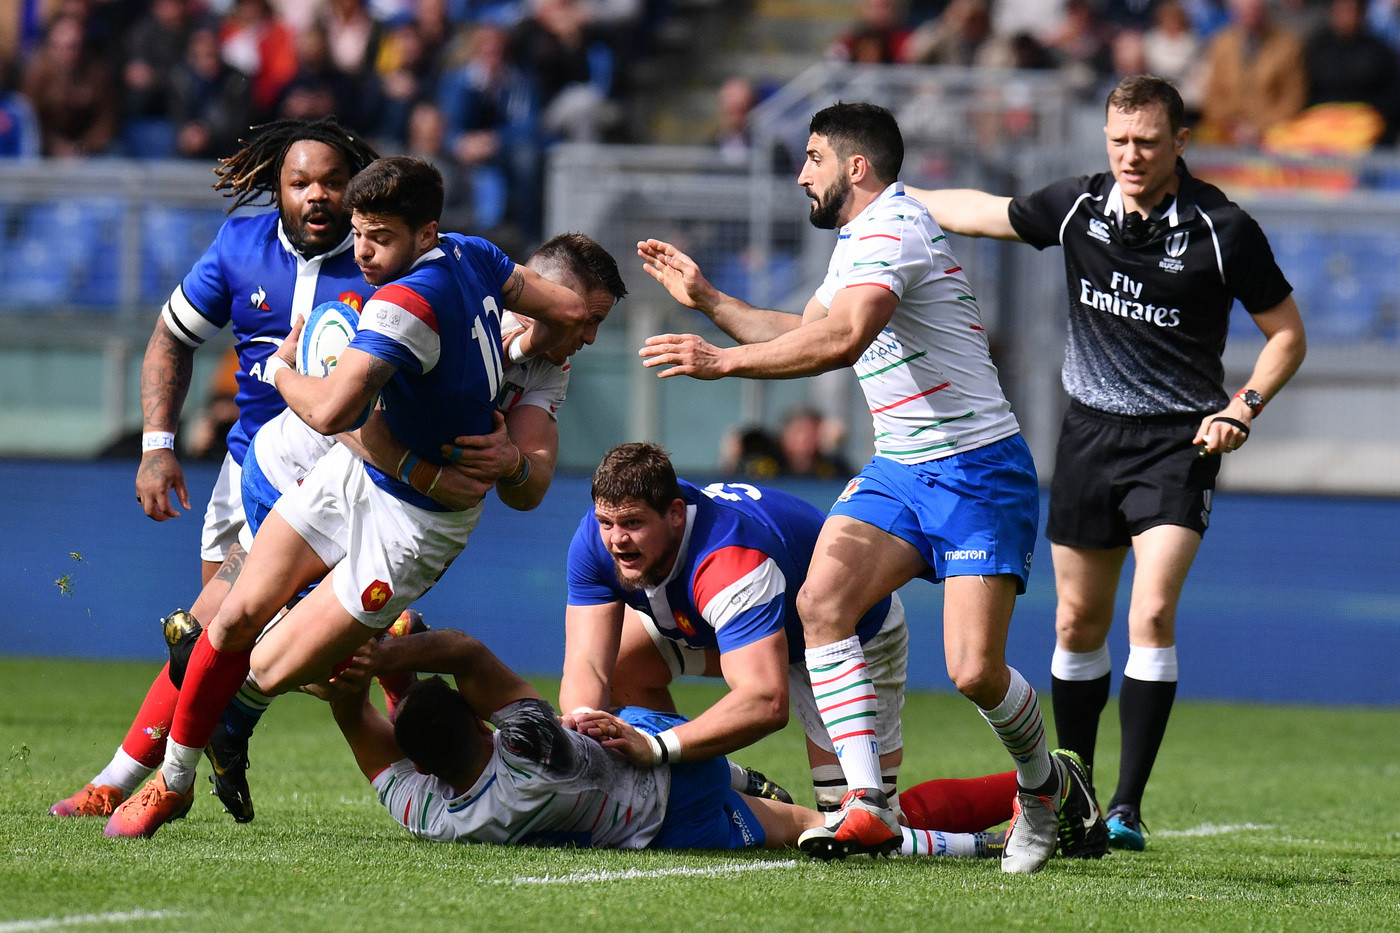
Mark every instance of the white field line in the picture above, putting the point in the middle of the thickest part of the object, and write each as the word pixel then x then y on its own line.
pixel 54 923
pixel 633 874
pixel 1206 829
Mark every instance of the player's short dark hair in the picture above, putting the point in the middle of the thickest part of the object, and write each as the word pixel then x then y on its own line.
pixel 256 169
pixel 437 730
pixel 1135 92
pixel 583 258
pixel 636 471
pixel 398 186
pixel 867 129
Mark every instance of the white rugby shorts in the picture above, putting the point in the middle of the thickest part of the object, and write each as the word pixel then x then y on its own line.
pixel 223 516
pixel 384 552
pixel 887 660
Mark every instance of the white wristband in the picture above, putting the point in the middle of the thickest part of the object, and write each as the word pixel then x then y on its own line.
pixel 270 369
pixel 658 751
pixel 157 440
pixel 670 745
pixel 515 352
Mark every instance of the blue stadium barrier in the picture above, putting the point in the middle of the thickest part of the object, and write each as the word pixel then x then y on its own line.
pixel 1290 600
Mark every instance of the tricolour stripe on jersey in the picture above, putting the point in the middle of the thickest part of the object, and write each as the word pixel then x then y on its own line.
pixel 904 361
pixel 910 398
pixel 880 236
pixel 945 445
pixel 384 794
pixel 935 424
pixel 733 579
pixel 952 270
pixel 540 814
pixel 423 820
pixel 399 312
pixel 189 324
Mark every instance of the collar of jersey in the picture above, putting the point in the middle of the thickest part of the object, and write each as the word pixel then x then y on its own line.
pixel 287 245
pixel 895 190
pixel 1178 212
pixel 681 552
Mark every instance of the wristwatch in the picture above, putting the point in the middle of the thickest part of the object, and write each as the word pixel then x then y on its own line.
pixel 1253 399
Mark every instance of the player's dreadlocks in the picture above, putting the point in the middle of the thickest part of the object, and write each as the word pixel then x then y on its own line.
pixel 256 169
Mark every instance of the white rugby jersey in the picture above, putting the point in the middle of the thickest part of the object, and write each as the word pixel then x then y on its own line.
pixel 286 448
pixel 544 786
pixel 928 376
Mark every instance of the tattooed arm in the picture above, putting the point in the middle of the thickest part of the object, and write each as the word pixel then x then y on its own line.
pixel 557 311
pixel 165 380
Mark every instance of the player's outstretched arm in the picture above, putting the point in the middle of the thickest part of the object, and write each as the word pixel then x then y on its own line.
pixel 968 212
pixel 680 275
pixel 369 735
pixel 824 342
pixel 165 381
pixel 486 682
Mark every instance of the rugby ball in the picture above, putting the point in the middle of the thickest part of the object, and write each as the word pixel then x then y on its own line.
pixel 324 337
pixel 328 331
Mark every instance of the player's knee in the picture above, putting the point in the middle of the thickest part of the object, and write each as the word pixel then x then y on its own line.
pixel 235 627
pixel 821 617
pixel 973 680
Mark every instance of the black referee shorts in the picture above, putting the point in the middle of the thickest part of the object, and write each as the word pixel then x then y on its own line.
pixel 1117 475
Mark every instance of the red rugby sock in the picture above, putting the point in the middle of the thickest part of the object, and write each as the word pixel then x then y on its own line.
pixel 960 805
pixel 146 740
pixel 212 679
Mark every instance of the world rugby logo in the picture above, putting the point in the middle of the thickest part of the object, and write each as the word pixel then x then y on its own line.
pixel 1176 244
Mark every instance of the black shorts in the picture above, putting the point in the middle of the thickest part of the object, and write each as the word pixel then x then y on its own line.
pixel 1116 476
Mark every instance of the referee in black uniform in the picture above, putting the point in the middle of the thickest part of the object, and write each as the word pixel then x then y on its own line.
pixel 1154 259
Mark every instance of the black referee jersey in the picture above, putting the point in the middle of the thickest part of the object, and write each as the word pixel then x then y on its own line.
pixel 1149 301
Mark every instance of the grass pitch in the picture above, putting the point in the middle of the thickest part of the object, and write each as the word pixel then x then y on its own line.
pixel 1263 818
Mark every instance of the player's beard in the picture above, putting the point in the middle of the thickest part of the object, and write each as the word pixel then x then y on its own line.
pixel 309 244
pixel 827 206
pixel 651 575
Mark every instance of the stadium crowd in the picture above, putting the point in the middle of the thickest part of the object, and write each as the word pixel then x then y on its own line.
pixel 481 87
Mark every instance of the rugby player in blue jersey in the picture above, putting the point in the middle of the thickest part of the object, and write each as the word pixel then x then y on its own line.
pixel 429 344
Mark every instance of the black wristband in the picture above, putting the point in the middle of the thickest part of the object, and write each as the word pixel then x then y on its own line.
pixel 1234 421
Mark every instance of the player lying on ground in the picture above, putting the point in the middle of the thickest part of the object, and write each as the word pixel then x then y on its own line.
pixel 443 775
pixel 522 455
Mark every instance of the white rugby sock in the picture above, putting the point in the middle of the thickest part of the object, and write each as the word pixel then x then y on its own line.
pixel 932 842
pixel 1151 664
pixel 846 699
pixel 179 766
pixel 123 772
pixel 1016 720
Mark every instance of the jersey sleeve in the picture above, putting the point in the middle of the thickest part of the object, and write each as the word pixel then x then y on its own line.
pixel 490 262
pixel 592 580
pixel 530 733
pixel 200 305
pixel 538 383
pixel 398 325
pixel 1039 217
pixel 416 801
pixel 740 593
pixel 1251 273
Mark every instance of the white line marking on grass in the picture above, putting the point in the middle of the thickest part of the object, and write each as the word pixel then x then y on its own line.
pixel 633 874
pixel 1213 829
pixel 50 923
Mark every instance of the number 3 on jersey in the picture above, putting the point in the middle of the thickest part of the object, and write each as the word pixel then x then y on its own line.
pixel 717 491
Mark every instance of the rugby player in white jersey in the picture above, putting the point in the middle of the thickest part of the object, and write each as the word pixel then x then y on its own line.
pixel 950 495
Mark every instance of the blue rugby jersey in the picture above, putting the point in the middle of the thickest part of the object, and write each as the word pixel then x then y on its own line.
pixel 743 558
pixel 440 325
pixel 253 278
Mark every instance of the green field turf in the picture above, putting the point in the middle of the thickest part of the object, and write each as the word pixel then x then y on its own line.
pixel 1263 818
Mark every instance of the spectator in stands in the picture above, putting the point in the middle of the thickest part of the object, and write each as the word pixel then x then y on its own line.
pixel 261 46
pixel 73 93
pixel 962 35
pixel 1349 64
pixel 571 69
pixel 19 127
pixel 1383 18
pixel 320 88
pixel 880 35
pixel 734 136
pixel 752 453
pixel 1172 50
pixel 209 100
pixel 352 36
pixel 427 139
pixel 489 106
pixel 807 446
pixel 1256 76
pixel 152 53
pixel 407 74
pixel 1080 44
pixel 1036 18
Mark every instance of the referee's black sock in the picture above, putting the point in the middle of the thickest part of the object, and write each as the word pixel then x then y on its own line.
pixel 1143 708
pixel 1078 704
